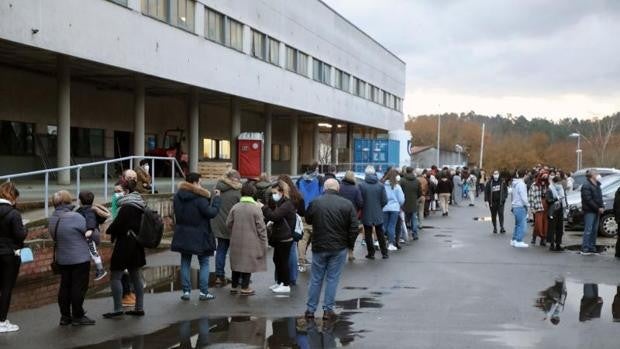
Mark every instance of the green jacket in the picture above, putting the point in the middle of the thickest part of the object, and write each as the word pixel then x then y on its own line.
pixel 411 188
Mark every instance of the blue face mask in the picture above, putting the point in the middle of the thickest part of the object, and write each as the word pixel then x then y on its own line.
pixel 276 197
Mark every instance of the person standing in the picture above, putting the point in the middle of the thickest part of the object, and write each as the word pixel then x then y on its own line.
pixel 422 199
pixel 12 236
pixel 229 187
pixel 375 198
pixel 495 194
pixel 457 191
pixel 472 184
pixel 593 207
pixel 351 191
pixel 411 189
pixel 143 177
pixel 335 225
pixel 68 230
pixel 294 266
pixel 555 199
pixel 395 199
pixel 519 209
pixel 538 206
pixel 617 215
pixel 444 189
pixel 248 240
pixel 193 210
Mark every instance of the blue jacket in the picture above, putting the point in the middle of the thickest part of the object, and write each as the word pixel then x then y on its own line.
pixel 193 210
pixel 395 197
pixel 351 192
pixel 373 194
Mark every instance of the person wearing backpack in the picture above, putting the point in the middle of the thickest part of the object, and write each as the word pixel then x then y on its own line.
pixel 193 210
pixel 300 206
pixel 12 236
pixel 128 253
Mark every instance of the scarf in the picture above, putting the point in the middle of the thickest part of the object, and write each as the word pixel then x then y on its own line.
pixel 247 200
pixel 132 199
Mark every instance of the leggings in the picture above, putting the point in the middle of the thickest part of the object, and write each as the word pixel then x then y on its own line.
pixel 117 288
pixel 281 253
pixel 9 268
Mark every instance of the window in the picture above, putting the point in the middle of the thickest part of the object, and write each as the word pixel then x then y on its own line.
pixel 327 74
pixel 87 142
pixel 321 71
pixel 384 99
pixel 361 89
pixel 16 138
pixel 157 9
pixel 338 79
pixel 274 51
pixel 214 26
pixel 302 63
pixel 346 82
pixel 316 69
pixel 184 13
pixel 355 86
pixel 291 59
pixel 286 153
pixel 375 94
pixel 150 142
pixel 275 152
pixel 214 149
pixel 235 37
pixel 258 45
pixel 224 150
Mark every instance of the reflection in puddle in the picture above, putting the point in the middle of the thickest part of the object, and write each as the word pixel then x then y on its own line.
pixel 442 235
pixel 243 332
pixel 582 302
pixel 482 219
pixel 404 287
pixel 354 288
pixel 359 303
pixel 599 248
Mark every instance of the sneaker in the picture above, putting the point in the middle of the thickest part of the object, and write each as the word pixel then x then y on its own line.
pixel 543 243
pixel 282 289
pixel 385 256
pixel 135 312
pixel 494 231
pixel 129 300
pixel 559 248
pixel 185 296
pixel 100 274
pixel 368 256
pixel 512 243
pixel 65 321
pixel 521 244
pixel 206 296
pixel 234 290
pixel 402 241
pixel 220 281
pixel 301 268
pixel 274 286
pixel 83 321
pixel 247 292
pixel 586 253
pixel 363 243
pixel 502 231
pixel 309 315
pixel 415 238
pixel 376 243
pixel 392 247
pixel 7 326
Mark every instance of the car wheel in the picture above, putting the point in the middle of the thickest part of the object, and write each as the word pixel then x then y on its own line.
pixel 608 226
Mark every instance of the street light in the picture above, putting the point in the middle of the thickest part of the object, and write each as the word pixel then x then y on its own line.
pixel 578 151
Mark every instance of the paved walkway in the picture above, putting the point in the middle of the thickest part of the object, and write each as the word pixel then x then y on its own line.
pixel 459 286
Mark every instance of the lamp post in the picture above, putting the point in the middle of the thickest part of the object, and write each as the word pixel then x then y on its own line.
pixel 459 149
pixel 578 151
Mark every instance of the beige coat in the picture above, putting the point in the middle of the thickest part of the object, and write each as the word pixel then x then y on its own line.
pixel 143 181
pixel 248 238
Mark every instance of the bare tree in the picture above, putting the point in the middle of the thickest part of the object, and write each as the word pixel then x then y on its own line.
pixel 598 133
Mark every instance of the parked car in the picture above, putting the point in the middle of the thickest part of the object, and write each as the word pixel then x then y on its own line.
pixel 579 177
pixel 608 227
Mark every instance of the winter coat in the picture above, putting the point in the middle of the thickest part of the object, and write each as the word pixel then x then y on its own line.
pixel 493 186
pixel 283 216
pixel 12 231
pixel 395 197
pixel 444 186
pixel 457 188
pixel 248 237
pixel 127 253
pixel 230 195
pixel 375 198
pixel 535 197
pixel 310 185
pixel 95 215
pixel 71 245
pixel 423 185
pixel 143 181
pixel 334 223
pixel 591 197
pixel 411 188
pixel 617 206
pixel 263 191
pixel 193 211
pixel 352 192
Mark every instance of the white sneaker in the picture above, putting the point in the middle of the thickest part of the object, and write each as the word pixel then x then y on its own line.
pixel 392 247
pixel 521 244
pixel 274 286
pixel 512 243
pixel 6 326
pixel 282 289
pixel 376 243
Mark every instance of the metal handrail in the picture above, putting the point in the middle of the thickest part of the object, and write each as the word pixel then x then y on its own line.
pixel 173 162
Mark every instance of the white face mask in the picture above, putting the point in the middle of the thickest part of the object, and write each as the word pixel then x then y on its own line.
pixel 147 168
pixel 397 179
pixel 276 197
pixel 598 177
pixel 495 176
pixel 118 195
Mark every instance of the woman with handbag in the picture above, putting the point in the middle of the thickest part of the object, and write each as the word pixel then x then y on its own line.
pixel 555 197
pixel 12 235
pixel 281 211
pixel 72 256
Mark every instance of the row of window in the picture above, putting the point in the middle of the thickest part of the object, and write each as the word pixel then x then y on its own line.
pixel 229 32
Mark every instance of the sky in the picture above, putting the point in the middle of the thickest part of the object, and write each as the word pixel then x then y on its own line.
pixel 537 58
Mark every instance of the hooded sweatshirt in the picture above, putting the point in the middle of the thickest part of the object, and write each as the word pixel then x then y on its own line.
pixel 519 193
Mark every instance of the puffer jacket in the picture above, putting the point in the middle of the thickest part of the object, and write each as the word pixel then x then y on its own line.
pixel 230 195
pixel 283 216
pixel 71 245
pixel 591 197
pixel 351 192
pixel 334 223
pixel 411 189
pixel 12 231
pixel 193 211
pixel 374 196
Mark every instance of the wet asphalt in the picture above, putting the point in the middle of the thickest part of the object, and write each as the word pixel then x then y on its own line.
pixel 459 286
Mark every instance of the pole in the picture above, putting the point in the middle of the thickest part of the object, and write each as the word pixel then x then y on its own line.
pixel 579 152
pixel 438 137
pixel 482 146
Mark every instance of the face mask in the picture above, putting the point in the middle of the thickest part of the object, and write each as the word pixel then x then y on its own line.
pixel 276 197
pixel 598 177
pixel 495 176
pixel 147 168
pixel 397 178
pixel 118 195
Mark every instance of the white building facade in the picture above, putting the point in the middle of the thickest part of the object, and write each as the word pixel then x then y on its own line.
pixel 89 79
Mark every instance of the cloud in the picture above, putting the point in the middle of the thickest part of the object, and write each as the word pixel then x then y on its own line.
pixel 497 50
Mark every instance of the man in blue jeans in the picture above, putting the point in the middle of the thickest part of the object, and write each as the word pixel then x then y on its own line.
pixel 334 229
pixel 593 207
pixel 520 204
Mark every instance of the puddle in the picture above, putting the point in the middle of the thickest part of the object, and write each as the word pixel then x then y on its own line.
pixel 354 288
pixel 599 248
pixel 482 219
pixel 442 235
pixel 359 303
pixel 243 332
pixel 428 227
pixel 398 287
pixel 569 302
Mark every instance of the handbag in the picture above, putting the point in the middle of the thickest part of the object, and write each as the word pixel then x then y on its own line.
pixel 54 265
pixel 26 255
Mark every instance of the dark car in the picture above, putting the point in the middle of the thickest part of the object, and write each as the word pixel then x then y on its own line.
pixel 608 227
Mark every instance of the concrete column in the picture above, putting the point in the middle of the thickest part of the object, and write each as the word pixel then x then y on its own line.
pixel 268 138
pixel 235 130
pixel 194 128
pixel 350 143
pixel 199 19
pixel 334 143
pixel 138 121
pixel 316 142
pixel 64 118
pixel 294 145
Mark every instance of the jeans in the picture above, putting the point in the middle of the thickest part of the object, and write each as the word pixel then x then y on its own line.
pixel 220 256
pixel 520 214
pixel 413 219
pixel 9 269
pixel 73 286
pixel 325 266
pixel 590 230
pixel 203 276
pixel 292 263
pixel 117 288
pixel 390 218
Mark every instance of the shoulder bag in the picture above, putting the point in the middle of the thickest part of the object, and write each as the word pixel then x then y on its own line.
pixel 54 265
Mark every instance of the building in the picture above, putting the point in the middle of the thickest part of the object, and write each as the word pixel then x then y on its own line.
pixel 426 156
pixel 84 80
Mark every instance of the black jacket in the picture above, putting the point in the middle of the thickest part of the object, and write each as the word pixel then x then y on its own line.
pixel 375 197
pixel 127 253
pixel 411 189
pixel 488 192
pixel 445 186
pixel 591 197
pixel 12 232
pixel 617 207
pixel 334 223
pixel 351 192
pixel 283 218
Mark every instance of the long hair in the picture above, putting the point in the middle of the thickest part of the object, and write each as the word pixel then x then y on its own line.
pixel 284 188
pixel 9 192
pixel 391 176
pixel 294 194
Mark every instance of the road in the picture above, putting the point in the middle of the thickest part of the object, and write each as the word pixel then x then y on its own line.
pixel 459 286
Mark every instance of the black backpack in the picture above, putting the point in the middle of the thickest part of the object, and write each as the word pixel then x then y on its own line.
pixel 151 229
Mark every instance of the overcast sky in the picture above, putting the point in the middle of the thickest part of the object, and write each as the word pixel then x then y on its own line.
pixel 538 58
